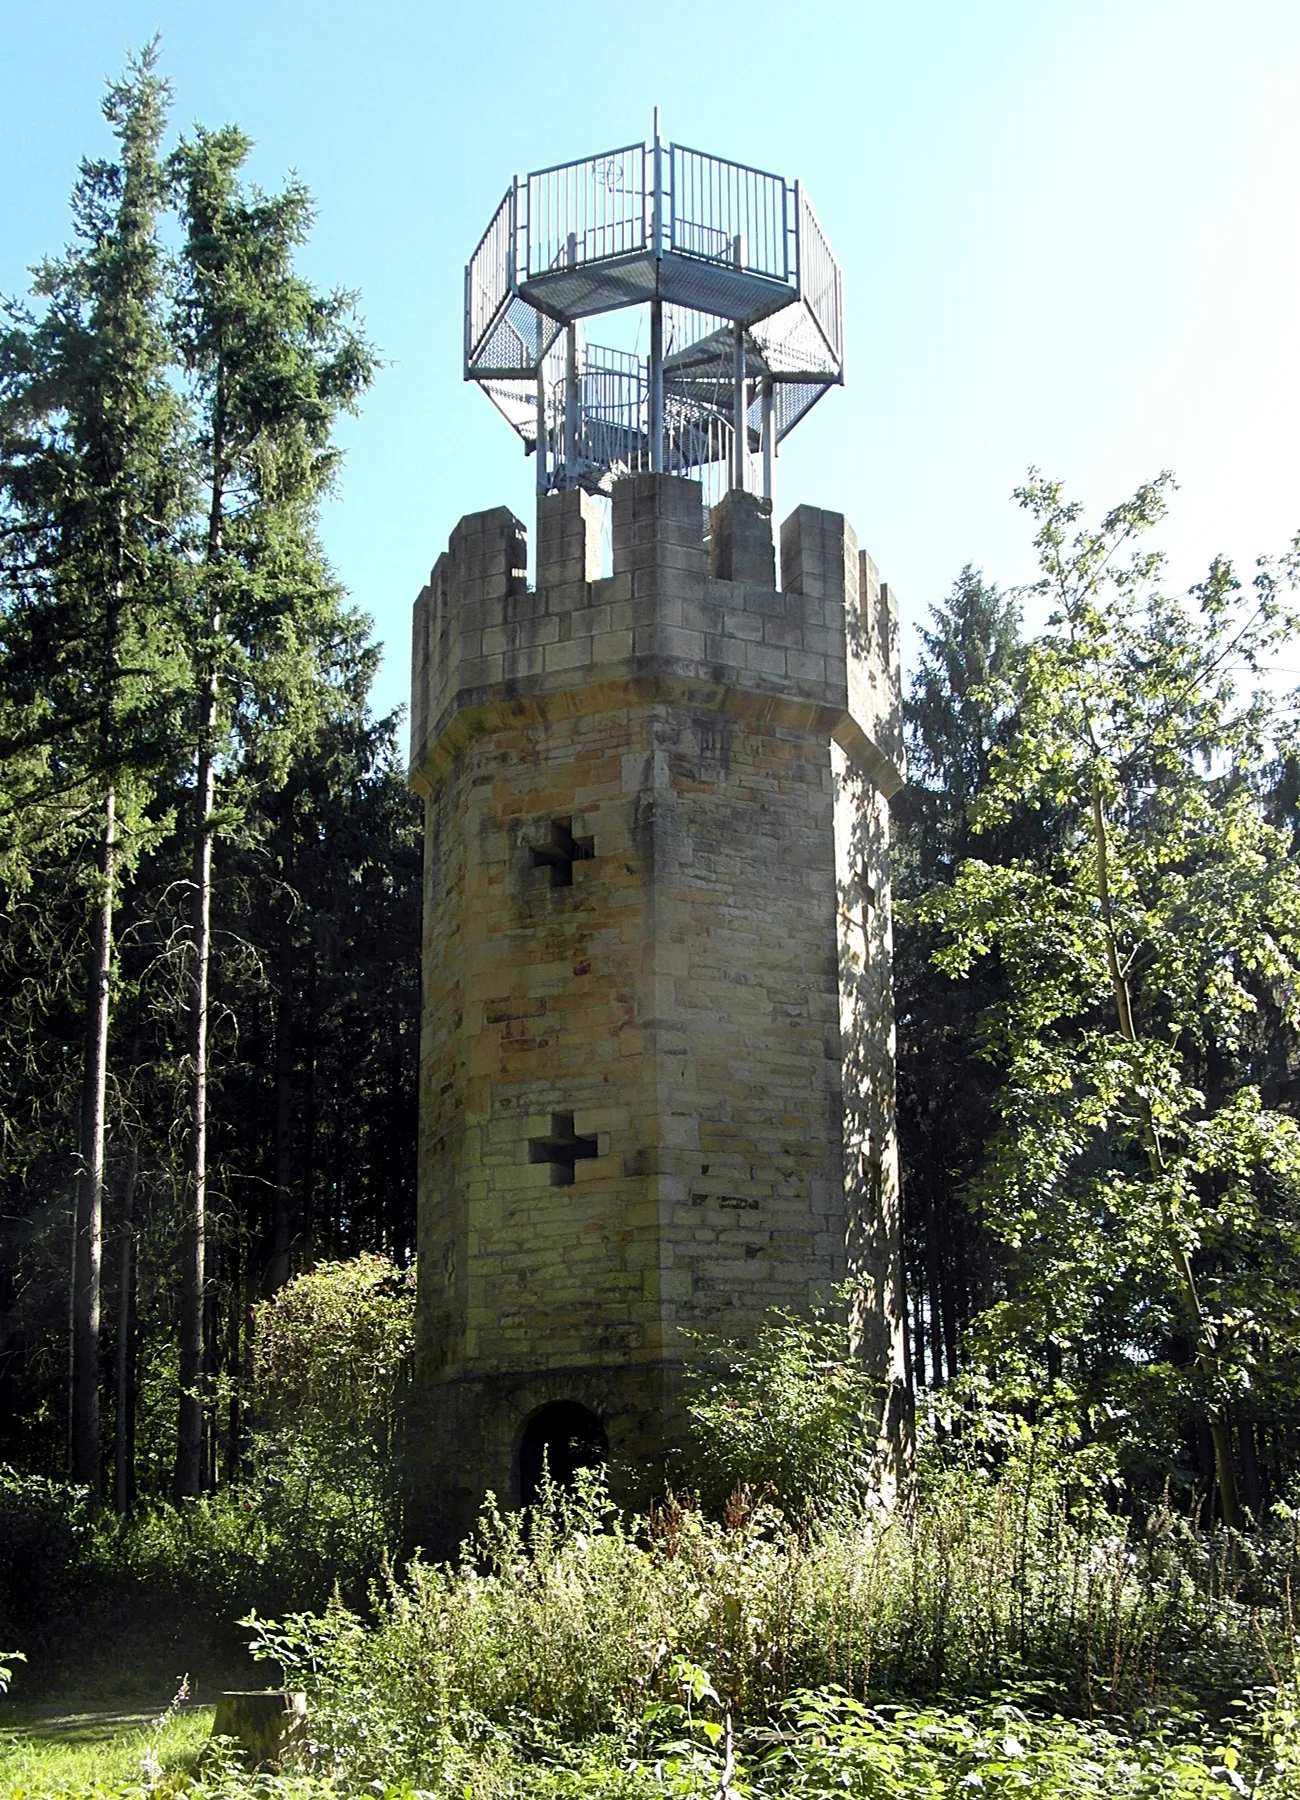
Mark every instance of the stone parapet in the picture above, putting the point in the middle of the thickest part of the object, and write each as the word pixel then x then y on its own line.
pixel 820 558
pixel 819 654
pixel 740 539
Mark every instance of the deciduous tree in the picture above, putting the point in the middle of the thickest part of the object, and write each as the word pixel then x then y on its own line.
pixel 1149 1198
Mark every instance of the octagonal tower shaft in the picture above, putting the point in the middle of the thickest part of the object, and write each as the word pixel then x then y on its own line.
pixel 656 1067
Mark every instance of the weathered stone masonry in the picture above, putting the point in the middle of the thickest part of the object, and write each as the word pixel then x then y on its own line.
pixel 656 1065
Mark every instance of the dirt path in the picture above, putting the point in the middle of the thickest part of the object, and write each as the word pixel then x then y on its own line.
pixel 62 1725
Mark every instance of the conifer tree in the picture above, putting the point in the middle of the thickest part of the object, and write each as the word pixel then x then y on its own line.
pixel 272 363
pixel 955 715
pixel 92 490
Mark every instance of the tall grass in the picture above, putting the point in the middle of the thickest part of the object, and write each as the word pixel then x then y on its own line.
pixel 571 1624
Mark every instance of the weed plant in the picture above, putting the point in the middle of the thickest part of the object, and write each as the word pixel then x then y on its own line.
pixel 566 1627
pixel 1001 1633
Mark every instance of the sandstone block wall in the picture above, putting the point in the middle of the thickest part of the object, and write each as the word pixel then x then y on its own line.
pixel 655 947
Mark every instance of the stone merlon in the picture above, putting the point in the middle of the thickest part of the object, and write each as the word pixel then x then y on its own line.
pixel 679 619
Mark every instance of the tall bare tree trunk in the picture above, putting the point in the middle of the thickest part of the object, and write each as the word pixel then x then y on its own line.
pixel 88 1233
pixel 124 1410
pixel 307 1187
pixel 235 1361
pixel 282 1207
pixel 190 1459
pixel 935 1282
pixel 189 1434
pixel 916 1301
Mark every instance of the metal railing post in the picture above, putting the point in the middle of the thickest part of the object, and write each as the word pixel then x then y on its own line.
pixel 656 396
pixel 740 427
pixel 571 385
pixel 769 436
pixel 798 240
pixel 469 319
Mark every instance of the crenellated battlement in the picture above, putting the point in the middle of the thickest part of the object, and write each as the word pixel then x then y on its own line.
pixel 679 618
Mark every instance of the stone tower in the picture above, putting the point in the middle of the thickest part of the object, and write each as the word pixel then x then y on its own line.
pixel 657 1054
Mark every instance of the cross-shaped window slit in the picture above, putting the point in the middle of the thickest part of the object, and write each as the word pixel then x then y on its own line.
pixel 560 851
pixel 562 1149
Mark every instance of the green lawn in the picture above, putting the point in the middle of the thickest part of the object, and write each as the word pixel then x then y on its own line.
pixel 82 1753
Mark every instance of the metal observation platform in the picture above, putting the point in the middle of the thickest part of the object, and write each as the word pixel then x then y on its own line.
pixel 745 304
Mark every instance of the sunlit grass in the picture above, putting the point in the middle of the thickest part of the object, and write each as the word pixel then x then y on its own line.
pixel 40 1760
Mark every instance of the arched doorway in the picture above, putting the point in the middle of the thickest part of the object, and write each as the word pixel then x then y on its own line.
pixel 564 1437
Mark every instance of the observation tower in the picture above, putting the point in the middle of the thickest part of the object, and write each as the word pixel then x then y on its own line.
pixel 735 284
pixel 656 1065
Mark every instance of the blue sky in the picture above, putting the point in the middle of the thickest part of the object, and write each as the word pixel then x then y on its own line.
pixel 1070 234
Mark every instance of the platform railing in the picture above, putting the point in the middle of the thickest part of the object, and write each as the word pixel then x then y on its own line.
pixel 615 410
pixel 490 276
pixel 726 212
pixel 538 268
pixel 586 211
pixel 820 280
pixel 614 432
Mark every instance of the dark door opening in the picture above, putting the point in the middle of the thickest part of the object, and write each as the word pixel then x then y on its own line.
pixel 565 1437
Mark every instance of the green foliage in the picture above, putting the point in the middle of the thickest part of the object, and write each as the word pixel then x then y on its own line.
pixel 1005 1633
pixel 317 1510
pixel 44 1526
pixel 167 407
pixel 1006 1573
pixel 271 365
pixel 792 1415
pixel 828 1745
pixel 958 710
pixel 93 485
pixel 1150 1199
pixel 331 1352
pixel 837 1746
pixel 102 1760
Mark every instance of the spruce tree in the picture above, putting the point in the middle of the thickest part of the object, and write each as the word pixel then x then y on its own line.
pixel 955 715
pixel 93 487
pixel 272 362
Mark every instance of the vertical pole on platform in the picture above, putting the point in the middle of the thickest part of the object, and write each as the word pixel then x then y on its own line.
pixel 656 396
pixel 571 383
pixel 740 405
pixel 769 436
pixel 657 385
pixel 542 483
pixel 740 425
pixel 571 407
pixel 539 326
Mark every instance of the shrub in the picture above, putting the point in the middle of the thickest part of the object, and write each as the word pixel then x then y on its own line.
pixel 316 1511
pixel 331 1351
pixel 794 1415
pixel 44 1528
